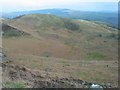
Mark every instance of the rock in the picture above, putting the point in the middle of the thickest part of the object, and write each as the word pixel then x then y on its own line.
pixel 96 87
pixel 3 57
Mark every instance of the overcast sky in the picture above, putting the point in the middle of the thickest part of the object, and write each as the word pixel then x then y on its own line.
pixel 84 5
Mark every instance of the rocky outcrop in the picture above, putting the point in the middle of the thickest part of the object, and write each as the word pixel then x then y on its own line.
pixel 3 57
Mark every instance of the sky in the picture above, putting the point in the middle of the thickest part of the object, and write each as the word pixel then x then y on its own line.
pixel 82 5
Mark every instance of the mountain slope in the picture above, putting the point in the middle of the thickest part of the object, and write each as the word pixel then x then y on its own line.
pixel 73 36
pixel 60 47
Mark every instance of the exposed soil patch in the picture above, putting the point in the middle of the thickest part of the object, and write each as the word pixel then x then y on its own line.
pixel 38 79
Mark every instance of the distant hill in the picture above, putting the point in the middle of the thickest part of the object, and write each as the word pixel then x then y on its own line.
pixel 109 18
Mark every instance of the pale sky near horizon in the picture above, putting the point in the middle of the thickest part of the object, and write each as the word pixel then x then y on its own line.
pixel 84 5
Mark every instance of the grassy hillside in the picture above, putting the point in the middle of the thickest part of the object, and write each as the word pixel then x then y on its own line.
pixel 8 31
pixel 46 21
pixel 73 35
pixel 77 47
pixel 41 21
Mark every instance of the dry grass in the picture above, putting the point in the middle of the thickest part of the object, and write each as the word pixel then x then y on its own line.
pixel 92 71
pixel 63 52
pixel 48 57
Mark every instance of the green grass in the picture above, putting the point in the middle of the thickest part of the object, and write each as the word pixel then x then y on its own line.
pixel 13 33
pixel 13 85
pixel 42 21
pixel 95 56
pixel 69 24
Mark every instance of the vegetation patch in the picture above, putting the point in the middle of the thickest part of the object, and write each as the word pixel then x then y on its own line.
pixel 95 56
pixel 12 33
pixel 112 36
pixel 13 85
pixel 8 31
pixel 109 35
pixel 69 24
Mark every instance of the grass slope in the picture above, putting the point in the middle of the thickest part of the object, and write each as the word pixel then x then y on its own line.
pixel 9 31
pixel 81 46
